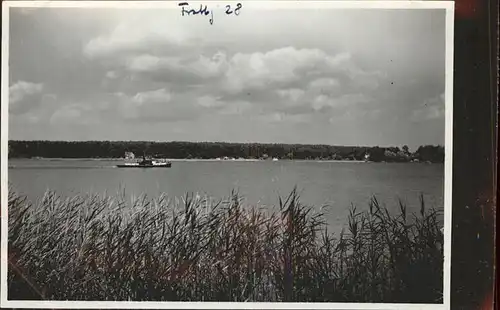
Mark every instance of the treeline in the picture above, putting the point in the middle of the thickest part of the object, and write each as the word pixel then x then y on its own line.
pixel 208 150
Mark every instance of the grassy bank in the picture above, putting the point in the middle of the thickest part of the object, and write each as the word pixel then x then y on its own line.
pixel 111 248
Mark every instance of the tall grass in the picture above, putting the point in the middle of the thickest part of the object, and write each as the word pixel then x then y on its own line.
pixel 94 247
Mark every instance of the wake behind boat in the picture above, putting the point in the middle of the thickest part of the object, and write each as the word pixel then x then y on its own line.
pixel 146 163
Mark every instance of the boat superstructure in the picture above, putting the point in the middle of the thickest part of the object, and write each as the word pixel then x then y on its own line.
pixel 146 163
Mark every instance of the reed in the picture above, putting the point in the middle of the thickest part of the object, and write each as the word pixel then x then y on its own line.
pixel 101 247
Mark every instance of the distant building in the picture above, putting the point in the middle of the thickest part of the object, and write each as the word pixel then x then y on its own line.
pixel 129 155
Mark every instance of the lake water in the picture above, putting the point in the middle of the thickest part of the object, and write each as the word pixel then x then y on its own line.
pixel 336 184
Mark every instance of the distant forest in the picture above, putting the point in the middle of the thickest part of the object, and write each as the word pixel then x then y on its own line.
pixel 208 150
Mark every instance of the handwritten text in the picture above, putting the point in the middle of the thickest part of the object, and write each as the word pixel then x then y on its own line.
pixel 203 10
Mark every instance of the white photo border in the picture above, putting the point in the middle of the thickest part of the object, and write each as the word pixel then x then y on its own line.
pixel 448 6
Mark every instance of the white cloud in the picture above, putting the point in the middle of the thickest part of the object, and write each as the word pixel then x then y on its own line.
pixel 293 94
pixel 68 115
pixel 138 35
pixel 152 97
pixel 148 63
pixel 159 105
pixel 147 104
pixel 349 100
pixel 274 82
pixel 24 96
pixel 279 66
pixel 269 80
pixel 202 67
pixel 22 89
pixel 111 75
pixel 287 83
pixel 209 67
pixel 324 84
pixel 280 79
pixel 240 72
pixel 278 117
pixel 320 102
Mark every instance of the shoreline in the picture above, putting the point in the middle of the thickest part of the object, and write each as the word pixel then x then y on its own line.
pixel 219 160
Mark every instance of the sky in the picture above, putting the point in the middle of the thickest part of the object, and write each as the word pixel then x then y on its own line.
pixel 339 77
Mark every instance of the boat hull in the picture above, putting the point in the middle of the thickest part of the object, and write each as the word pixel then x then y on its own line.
pixel 145 166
